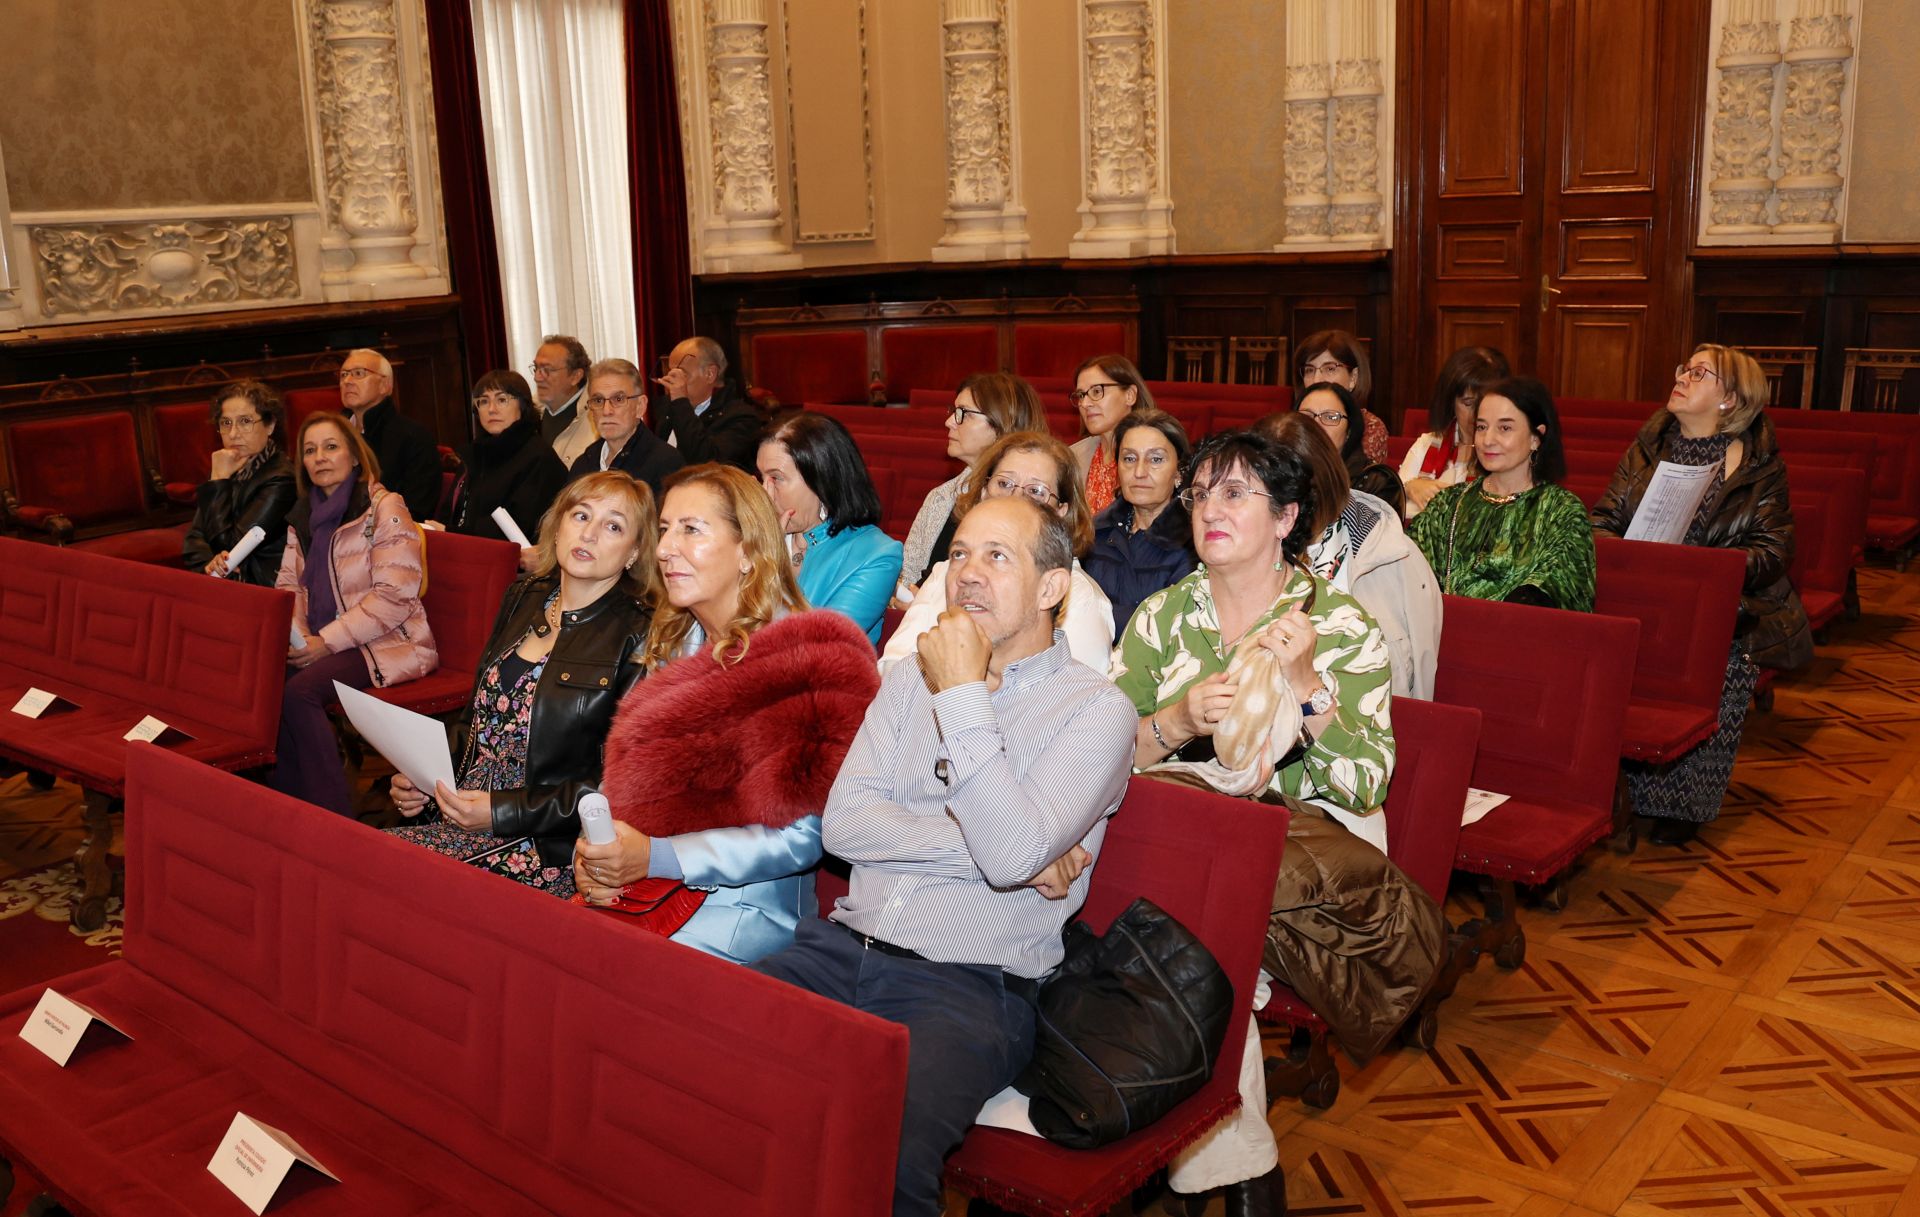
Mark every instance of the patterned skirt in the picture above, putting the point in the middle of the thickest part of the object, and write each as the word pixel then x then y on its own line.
pixel 1693 787
pixel 517 860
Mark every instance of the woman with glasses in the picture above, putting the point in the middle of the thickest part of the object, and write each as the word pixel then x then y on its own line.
pixel 1037 465
pixel 618 407
pixel 830 513
pixel 1142 542
pixel 1716 416
pixel 250 486
pixel 1336 411
pixel 1336 357
pixel 1443 455
pixel 508 465
pixel 987 406
pixel 1515 534
pixel 1106 389
pixel 1253 624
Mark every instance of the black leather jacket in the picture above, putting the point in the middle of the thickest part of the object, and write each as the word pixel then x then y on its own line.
pixel 226 508
pixel 1753 514
pixel 595 660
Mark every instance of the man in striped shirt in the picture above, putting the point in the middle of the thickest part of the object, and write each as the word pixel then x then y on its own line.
pixel 971 806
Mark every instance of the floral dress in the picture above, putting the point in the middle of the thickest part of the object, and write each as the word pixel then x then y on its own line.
pixel 496 759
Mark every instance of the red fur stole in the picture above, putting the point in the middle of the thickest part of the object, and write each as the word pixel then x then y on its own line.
pixel 696 746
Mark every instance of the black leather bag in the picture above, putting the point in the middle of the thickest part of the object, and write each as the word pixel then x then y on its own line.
pixel 1129 1025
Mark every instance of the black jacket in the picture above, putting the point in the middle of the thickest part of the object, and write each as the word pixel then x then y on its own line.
pixel 225 509
pixel 515 469
pixel 645 456
pixel 595 660
pixel 1752 513
pixel 1130 566
pixel 409 458
pixel 729 431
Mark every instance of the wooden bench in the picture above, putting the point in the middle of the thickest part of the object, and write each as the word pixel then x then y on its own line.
pixel 120 641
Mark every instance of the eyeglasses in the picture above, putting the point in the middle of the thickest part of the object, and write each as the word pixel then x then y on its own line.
pixel 238 424
pixel 617 400
pixel 958 415
pixel 495 399
pixel 1323 369
pixel 1326 418
pixel 543 370
pixel 1233 494
pixel 1694 373
pixel 357 373
pixel 1003 486
pixel 1093 392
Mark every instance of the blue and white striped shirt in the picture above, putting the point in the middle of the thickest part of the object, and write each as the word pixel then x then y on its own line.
pixel 1032 768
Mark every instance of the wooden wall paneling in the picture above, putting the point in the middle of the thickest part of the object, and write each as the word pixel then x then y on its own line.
pixel 1598 349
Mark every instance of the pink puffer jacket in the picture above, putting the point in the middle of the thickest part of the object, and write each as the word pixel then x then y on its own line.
pixel 376 572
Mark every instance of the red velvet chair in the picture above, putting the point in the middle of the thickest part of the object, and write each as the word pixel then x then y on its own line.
pixel 813 366
pixel 1433 761
pixel 1210 861
pixel 1056 348
pixel 302 402
pixel 1834 537
pixel 467 577
pixel 935 356
pixel 184 441
pixel 1553 694
pixel 1893 498
pixel 82 477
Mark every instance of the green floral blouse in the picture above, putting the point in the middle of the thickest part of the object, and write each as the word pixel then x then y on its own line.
pixel 1489 550
pixel 1173 641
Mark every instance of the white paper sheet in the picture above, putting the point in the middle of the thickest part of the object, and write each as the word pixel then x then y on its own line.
pixel 1479 803
pixel 1672 497
pixel 510 529
pixel 412 743
pixel 247 544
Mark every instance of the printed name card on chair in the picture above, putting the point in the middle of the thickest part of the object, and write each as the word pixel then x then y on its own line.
pixel 57 1023
pixel 254 1158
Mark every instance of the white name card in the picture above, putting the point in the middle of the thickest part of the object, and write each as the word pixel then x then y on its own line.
pixel 34 703
pixel 56 1025
pixel 146 731
pixel 1479 803
pixel 254 1158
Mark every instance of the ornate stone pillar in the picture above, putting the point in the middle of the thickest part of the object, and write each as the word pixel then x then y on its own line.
pixel 1742 183
pixel 1308 90
pixel 1813 122
pixel 1355 153
pixel 984 218
pixel 371 213
pixel 13 314
pixel 744 231
pixel 1123 87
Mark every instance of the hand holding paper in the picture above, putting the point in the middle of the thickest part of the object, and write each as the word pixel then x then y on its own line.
pixel 510 529
pixel 247 544
pixel 1672 497
pixel 412 743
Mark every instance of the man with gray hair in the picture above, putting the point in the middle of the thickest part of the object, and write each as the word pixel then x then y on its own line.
pixel 559 385
pixel 971 805
pixel 705 417
pixel 409 458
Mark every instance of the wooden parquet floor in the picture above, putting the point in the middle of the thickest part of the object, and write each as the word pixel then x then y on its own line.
pixel 1732 1028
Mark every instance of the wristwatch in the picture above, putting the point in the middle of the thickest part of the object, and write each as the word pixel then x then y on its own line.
pixel 1318 702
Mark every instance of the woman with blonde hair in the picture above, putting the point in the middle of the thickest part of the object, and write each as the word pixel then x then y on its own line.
pixel 719 763
pixel 565 649
pixel 1716 415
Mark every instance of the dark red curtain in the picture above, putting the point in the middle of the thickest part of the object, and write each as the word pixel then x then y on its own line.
pixel 473 256
pixel 657 184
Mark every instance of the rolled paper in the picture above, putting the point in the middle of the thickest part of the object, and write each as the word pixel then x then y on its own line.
pixel 247 544
pixel 511 529
pixel 299 640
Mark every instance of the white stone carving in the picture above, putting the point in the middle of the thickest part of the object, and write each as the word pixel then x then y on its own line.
pixel 1308 91
pixel 86 269
pixel 1742 179
pixel 1812 121
pixel 744 231
pixel 983 215
pixel 1353 155
pixel 1123 86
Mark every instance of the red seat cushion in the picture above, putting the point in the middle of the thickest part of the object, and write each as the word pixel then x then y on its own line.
pixel 1658 731
pixel 152 546
pixel 935 356
pixel 1056 348
pixel 1286 1009
pixel 812 366
pixel 86 467
pixel 1530 842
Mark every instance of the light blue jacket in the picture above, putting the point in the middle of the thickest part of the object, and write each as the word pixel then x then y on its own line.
pixel 853 573
pixel 759 884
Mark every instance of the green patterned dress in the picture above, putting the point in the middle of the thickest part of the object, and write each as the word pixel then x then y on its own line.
pixel 1173 641
pixel 1489 550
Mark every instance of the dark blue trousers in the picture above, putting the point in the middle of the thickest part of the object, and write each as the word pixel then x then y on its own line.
pixel 968 1036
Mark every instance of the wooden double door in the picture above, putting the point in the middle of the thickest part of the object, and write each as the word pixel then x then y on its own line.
pixel 1548 156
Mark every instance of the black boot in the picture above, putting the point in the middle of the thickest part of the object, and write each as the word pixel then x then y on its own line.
pixel 1265 1196
pixel 1672 832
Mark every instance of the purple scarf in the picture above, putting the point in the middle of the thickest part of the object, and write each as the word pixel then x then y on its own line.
pixel 327 510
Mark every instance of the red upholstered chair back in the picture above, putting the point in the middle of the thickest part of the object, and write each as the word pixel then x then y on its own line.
pixel 1056 348
pixel 1235 414
pixel 1552 688
pixel 1604 407
pixel 1397 446
pixel 1845 531
pixel 86 467
pixel 1686 599
pixel 1896 469
pixel 935 357
pixel 1434 747
pixel 813 366
pixel 303 402
pixel 672 1082
pixel 467 578
pixel 184 441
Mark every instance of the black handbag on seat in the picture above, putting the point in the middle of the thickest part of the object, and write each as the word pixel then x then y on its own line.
pixel 1130 1025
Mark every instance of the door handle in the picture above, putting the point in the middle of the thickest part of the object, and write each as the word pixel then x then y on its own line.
pixel 1547 292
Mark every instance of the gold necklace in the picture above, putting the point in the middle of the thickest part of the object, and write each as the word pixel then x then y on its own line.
pixel 1499 500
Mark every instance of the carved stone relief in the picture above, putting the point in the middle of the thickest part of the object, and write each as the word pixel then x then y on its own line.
pixel 743 203
pixel 1123 91
pixel 108 268
pixel 1812 122
pixel 1334 96
pixel 1354 154
pixel 983 215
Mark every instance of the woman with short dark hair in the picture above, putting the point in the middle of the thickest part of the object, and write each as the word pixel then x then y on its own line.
pixel 1336 357
pixel 249 485
pixel 1515 534
pixel 1143 542
pixel 508 464
pixel 1338 413
pixel 830 513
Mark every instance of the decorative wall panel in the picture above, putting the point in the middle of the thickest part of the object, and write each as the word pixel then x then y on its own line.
pixel 829 122
pixel 1123 90
pixel 984 218
pixel 1336 161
